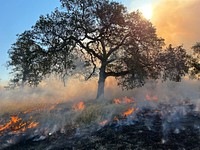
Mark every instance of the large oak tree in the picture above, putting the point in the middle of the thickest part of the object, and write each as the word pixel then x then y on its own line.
pixel 101 38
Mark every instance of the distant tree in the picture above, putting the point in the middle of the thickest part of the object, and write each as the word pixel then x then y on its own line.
pixel 195 61
pixel 101 37
pixel 174 62
pixel 26 58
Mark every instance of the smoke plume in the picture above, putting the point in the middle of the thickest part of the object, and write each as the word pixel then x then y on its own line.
pixel 177 21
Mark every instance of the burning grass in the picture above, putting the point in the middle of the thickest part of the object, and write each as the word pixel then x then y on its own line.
pixel 46 120
pixel 123 119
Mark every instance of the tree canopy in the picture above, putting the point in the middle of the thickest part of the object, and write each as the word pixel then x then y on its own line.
pixel 194 61
pixel 95 37
pixel 26 59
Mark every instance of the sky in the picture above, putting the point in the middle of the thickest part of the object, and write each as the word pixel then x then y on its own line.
pixel 177 21
pixel 17 16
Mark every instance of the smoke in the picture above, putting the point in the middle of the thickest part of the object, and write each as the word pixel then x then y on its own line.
pixel 164 91
pixel 177 21
pixel 52 91
pixel 51 106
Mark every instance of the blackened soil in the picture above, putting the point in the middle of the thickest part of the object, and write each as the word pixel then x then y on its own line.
pixel 152 129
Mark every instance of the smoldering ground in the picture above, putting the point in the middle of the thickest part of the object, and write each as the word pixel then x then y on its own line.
pixel 52 91
pixel 51 107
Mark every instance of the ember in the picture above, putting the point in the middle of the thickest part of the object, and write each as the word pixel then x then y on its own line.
pixel 79 106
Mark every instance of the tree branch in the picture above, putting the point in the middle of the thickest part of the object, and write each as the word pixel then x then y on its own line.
pixel 94 68
pixel 89 50
pixel 117 74
pixel 118 46
pixel 103 47
pixel 110 61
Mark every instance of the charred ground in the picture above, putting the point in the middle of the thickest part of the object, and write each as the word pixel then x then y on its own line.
pixel 165 126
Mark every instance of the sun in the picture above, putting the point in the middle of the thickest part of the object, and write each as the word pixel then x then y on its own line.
pixel 147 11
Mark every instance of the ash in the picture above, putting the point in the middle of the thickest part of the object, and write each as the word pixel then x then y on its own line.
pixel 162 127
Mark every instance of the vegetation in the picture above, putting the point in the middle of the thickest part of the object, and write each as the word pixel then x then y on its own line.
pixel 27 59
pixel 95 37
pixel 194 61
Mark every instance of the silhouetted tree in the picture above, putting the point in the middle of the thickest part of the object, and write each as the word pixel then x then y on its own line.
pixel 26 59
pixel 104 39
pixel 195 61
pixel 174 62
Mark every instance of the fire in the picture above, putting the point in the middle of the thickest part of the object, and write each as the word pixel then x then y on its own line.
pixel 79 106
pixel 14 119
pixel 151 98
pixel 128 100
pixel 16 124
pixel 124 100
pixel 117 101
pixel 33 125
pixel 129 111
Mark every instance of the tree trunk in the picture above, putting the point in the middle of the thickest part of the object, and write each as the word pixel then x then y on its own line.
pixel 101 83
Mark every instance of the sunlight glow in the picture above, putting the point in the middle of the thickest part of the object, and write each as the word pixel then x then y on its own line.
pixel 147 11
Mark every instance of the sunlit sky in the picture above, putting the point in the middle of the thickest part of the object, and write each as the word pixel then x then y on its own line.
pixel 176 20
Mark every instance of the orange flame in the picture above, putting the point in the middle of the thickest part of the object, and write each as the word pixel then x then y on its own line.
pixel 17 125
pixel 125 100
pixel 79 106
pixel 129 111
pixel 14 119
pixel 33 125
pixel 128 100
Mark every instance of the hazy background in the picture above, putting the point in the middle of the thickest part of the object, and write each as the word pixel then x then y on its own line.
pixel 177 21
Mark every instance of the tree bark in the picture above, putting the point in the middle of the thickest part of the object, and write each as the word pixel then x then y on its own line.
pixel 101 83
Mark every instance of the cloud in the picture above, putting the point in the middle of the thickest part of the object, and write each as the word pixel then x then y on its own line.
pixel 177 21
